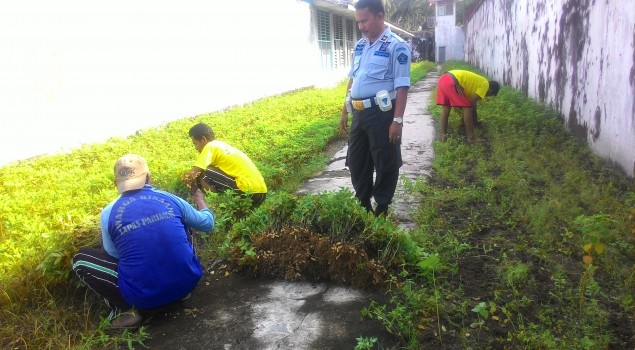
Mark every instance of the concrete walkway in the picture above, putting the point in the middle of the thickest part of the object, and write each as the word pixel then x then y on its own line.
pixel 239 312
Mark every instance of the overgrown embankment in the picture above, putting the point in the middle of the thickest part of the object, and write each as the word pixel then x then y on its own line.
pixel 49 206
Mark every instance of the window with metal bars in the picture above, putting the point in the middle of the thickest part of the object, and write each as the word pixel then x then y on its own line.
pixel 324 38
pixel 336 37
pixel 445 9
pixel 350 40
pixel 324 26
pixel 338 42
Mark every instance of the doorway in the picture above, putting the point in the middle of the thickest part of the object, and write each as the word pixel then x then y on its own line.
pixel 441 54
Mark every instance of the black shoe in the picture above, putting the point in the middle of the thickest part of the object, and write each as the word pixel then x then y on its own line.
pixel 381 210
pixel 366 205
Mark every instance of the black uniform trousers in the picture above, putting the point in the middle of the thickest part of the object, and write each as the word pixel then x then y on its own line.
pixel 369 150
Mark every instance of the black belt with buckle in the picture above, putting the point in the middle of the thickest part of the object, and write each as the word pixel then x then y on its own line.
pixel 362 104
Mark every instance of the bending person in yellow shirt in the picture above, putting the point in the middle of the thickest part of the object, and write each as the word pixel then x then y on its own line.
pixel 220 167
pixel 461 88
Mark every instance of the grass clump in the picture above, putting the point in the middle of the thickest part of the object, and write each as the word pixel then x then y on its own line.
pixel 326 237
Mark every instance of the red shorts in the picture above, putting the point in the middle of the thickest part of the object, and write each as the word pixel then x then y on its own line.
pixel 447 94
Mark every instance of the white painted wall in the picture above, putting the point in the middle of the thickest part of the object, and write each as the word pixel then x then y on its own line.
pixel 578 56
pixel 452 38
pixel 447 34
pixel 78 71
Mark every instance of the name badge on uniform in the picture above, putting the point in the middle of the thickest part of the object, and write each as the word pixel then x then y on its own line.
pixel 359 48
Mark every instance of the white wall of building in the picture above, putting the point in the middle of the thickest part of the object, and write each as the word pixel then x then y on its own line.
pixel 452 38
pixel 449 36
pixel 78 71
pixel 578 56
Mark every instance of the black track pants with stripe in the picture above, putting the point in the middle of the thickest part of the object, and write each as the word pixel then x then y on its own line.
pixel 98 270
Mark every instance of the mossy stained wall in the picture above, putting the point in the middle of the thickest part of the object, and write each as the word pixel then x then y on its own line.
pixel 576 55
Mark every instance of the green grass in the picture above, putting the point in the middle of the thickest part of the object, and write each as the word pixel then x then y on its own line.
pixel 510 220
pixel 49 206
pixel 496 261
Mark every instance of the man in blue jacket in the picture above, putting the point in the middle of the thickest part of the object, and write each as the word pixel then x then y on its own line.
pixel 147 259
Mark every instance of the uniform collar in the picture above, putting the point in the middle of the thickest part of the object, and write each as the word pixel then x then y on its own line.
pixel 385 35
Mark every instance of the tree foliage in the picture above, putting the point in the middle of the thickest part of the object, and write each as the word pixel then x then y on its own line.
pixel 408 14
pixel 413 15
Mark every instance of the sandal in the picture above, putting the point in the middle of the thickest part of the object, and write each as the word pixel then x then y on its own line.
pixel 130 319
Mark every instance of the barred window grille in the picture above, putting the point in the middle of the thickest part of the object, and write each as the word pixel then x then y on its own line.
pixel 350 30
pixel 338 42
pixel 324 39
pixel 336 36
pixel 350 40
pixel 324 26
pixel 445 9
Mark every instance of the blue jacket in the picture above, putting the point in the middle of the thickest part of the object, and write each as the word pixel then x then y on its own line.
pixel 146 230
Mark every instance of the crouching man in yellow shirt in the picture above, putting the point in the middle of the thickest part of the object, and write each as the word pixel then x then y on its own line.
pixel 220 167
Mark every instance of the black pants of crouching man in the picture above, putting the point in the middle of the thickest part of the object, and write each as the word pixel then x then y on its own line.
pixel 221 182
pixel 98 271
pixel 369 150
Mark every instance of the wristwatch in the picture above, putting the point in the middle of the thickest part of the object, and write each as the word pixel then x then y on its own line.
pixel 398 120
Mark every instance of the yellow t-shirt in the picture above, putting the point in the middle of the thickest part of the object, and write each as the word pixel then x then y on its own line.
pixel 234 163
pixel 472 83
